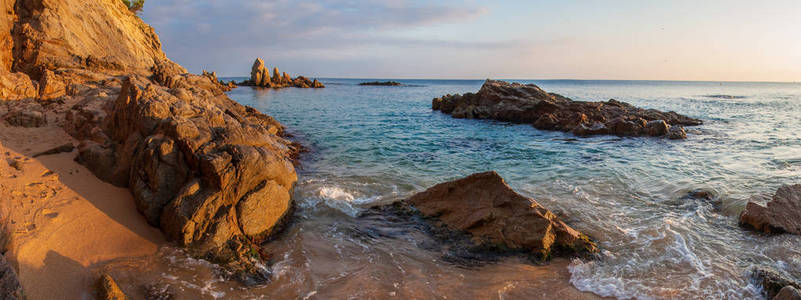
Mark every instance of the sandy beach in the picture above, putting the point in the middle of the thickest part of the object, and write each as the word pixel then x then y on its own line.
pixel 65 222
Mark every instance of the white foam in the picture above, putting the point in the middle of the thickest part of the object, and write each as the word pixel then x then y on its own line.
pixel 341 199
pixel 335 193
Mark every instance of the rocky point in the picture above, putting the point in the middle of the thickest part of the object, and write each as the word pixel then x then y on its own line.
pixel 260 76
pixel 527 103
pixel 215 176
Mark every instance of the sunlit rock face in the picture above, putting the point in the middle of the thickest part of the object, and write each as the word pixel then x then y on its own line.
pixel 484 206
pixel 215 176
pixel 260 76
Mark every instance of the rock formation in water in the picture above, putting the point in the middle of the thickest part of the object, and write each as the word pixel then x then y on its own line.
pixel 776 284
pixel 519 103
pixel 485 207
pixel 381 83
pixel 260 76
pixel 214 175
pixel 782 214
pixel 788 293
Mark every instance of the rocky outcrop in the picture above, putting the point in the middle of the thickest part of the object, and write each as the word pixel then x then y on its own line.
pixel 51 47
pixel 381 83
pixel 225 86
pixel 782 214
pixel 97 35
pixel 260 76
pixel 485 207
pixel 212 174
pixel 26 114
pixel 519 103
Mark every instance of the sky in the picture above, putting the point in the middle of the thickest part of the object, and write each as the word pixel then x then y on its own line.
pixel 629 40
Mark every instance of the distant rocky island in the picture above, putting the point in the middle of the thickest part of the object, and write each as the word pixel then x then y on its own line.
pixel 260 76
pixel 382 83
pixel 527 103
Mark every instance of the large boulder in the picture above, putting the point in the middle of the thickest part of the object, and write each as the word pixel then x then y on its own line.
pixel 16 86
pixel 782 214
pixel 527 103
pixel 485 207
pixel 214 175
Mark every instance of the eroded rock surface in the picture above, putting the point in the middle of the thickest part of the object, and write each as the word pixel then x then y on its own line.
pixel 212 174
pixel 26 114
pixel 484 206
pixel 782 214
pixel 260 76
pixel 50 48
pixel 528 103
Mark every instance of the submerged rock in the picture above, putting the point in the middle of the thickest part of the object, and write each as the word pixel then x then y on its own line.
pixel 260 76
pixel 485 207
pixel 788 293
pixel 382 83
pixel 781 215
pixel 528 103
pixel 773 282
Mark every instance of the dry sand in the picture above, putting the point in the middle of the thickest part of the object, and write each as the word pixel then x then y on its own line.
pixel 66 223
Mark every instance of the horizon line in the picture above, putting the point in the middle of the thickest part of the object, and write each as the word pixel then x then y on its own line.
pixel 540 79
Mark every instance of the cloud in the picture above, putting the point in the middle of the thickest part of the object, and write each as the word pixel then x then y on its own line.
pixel 216 34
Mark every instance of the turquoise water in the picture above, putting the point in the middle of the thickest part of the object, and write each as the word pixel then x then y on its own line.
pixel 371 145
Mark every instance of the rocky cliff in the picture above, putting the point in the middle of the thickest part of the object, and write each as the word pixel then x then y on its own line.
pixel 527 103
pixel 214 175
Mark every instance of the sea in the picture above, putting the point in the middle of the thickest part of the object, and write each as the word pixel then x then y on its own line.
pixel 374 145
